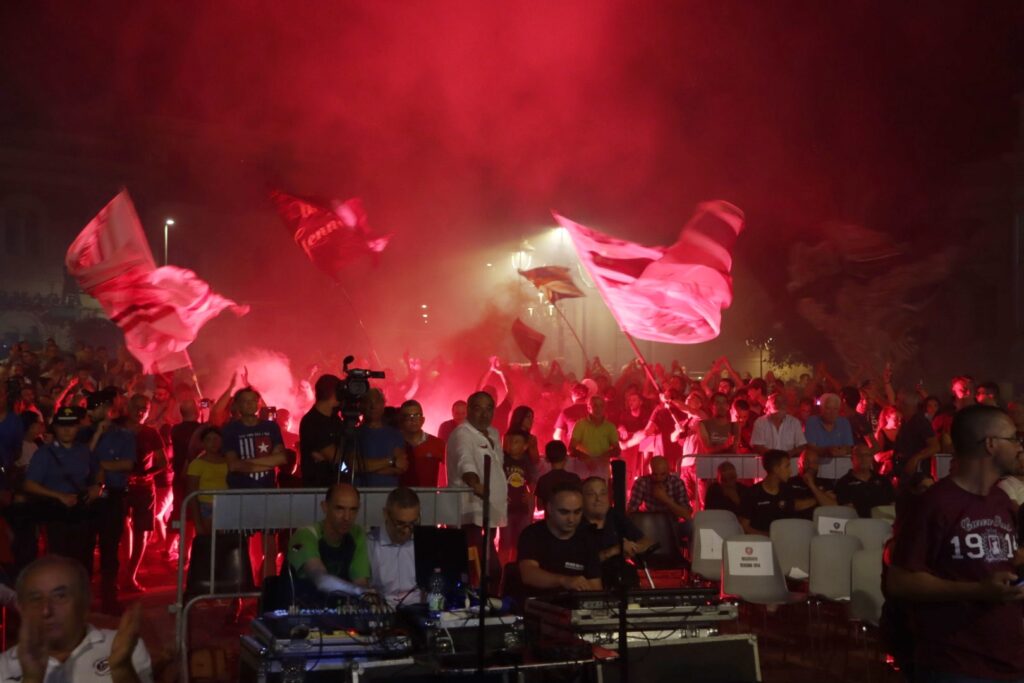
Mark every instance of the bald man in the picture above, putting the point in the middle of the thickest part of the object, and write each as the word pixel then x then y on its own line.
pixel 332 553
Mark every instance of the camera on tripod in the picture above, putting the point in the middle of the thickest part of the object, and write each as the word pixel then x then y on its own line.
pixel 353 387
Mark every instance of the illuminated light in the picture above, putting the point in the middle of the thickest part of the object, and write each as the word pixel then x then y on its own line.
pixel 529 309
pixel 169 221
pixel 551 309
pixel 490 265
pixel 425 315
pixel 423 306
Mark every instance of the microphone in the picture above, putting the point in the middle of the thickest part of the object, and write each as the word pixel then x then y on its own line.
pixel 293 609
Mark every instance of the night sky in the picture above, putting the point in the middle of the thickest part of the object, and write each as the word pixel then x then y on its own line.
pixel 461 124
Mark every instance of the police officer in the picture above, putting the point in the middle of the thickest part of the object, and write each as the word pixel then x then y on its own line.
pixel 62 476
pixel 113 448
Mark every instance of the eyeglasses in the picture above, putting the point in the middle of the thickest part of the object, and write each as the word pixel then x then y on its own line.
pixel 412 416
pixel 405 525
pixel 1016 439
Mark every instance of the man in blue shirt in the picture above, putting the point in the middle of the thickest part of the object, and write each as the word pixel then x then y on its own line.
pixel 829 434
pixel 382 456
pixel 62 476
pixel 254 450
pixel 113 447
pixel 253 447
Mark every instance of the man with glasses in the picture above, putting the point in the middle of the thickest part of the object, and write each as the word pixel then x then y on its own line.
pixel 392 553
pixel 610 530
pixel 56 643
pixel 956 563
pixel 425 451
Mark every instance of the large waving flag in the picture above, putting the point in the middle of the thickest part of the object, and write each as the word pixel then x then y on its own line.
pixel 332 234
pixel 527 339
pixel 554 282
pixel 160 310
pixel 674 294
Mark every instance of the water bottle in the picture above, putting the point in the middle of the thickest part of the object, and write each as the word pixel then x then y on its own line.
pixel 435 592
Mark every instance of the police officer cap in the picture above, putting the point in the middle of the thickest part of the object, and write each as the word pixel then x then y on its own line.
pixel 68 416
pixel 98 398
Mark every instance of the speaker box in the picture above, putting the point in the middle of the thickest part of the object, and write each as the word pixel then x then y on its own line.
pixel 717 659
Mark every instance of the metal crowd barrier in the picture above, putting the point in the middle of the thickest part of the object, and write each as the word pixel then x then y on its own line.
pixel 270 510
pixel 748 465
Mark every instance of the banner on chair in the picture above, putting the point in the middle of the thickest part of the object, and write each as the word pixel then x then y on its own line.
pixel 750 558
pixel 710 545
pixel 831 525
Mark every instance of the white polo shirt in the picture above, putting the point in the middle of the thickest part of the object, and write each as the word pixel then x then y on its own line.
pixel 468 446
pixel 788 435
pixel 87 663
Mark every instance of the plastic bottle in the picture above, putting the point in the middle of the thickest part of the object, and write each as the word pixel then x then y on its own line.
pixel 435 592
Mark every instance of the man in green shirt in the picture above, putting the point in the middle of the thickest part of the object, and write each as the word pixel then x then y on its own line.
pixel 332 554
pixel 594 442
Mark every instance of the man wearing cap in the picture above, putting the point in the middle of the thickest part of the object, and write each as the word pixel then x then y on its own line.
pixel 113 447
pixel 62 475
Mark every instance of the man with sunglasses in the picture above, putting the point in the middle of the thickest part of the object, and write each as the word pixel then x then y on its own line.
pixel 955 560
pixel 392 554
pixel 426 451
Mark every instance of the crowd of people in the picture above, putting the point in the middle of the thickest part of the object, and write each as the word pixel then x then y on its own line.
pixel 91 446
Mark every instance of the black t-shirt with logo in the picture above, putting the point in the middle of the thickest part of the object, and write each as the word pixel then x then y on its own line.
pixel 763 508
pixel 576 556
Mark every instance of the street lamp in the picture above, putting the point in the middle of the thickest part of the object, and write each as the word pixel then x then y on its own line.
pixel 167 223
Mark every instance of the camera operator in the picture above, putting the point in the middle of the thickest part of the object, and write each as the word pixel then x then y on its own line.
pixel 319 432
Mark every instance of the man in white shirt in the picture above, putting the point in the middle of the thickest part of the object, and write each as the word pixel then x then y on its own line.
pixel 777 429
pixel 468 445
pixel 392 553
pixel 56 644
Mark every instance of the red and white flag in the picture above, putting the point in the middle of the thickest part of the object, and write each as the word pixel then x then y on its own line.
pixel 674 294
pixel 331 233
pixel 160 310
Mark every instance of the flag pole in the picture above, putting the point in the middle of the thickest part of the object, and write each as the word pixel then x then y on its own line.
pixel 195 378
pixel 650 376
pixel 359 319
pixel 571 330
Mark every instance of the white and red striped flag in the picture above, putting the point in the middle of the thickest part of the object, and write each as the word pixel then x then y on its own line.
pixel 160 310
pixel 674 294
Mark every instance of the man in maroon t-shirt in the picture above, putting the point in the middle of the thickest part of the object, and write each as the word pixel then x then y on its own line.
pixel 426 452
pixel 955 560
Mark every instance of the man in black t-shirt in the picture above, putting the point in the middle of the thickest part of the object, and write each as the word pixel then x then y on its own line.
pixel 798 483
pixel 772 498
pixel 556 454
pixel 611 532
pixel 916 443
pixel 553 554
pixel 319 431
pixel 861 487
